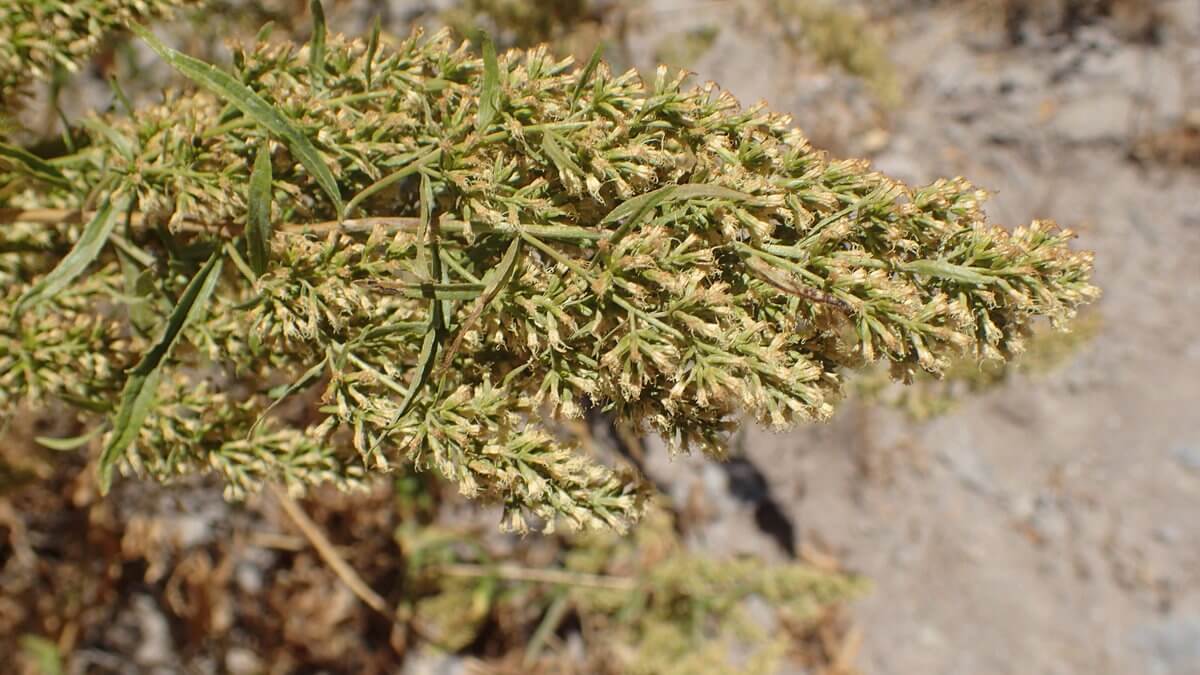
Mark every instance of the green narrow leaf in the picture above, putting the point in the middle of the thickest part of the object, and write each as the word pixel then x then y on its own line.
pixel 316 46
pixel 139 287
pixel 264 32
pixel 489 92
pixel 549 624
pixel 66 444
pixel 137 397
pixel 238 261
pixel 372 47
pixel 429 348
pixel 561 159
pixel 258 225
pixel 673 193
pixel 34 166
pixel 442 291
pixel 403 172
pixel 635 209
pixel 494 281
pixel 134 405
pixel 949 271
pixel 426 212
pixel 90 243
pixel 436 329
pixel 444 275
pixel 119 94
pixel 437 271
pixel 303 381
pixel 118 140
pixel 44 653
pixel 585 75
pixel 253 106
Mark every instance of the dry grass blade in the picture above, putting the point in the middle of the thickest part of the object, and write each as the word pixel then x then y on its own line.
pixel 329 554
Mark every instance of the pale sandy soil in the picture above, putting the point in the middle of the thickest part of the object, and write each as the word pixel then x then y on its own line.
pixel 1053 525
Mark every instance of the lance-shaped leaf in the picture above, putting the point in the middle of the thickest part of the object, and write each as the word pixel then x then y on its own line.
pixel 640 204
pixel 316 46
pixel 633 210
pixel 495 280
pixel 119 142
pixel 68 444
pixel 489 91
pixel 564 162
pixel 308 377
pixel 137 398
pixel 34 166
pixel 401 173
pixel 256 108
pixel 434 291
pixel 940 269
pixel 372 47
pixel 258 222
pixel 585 75
pixel 90 243
pixel 429 349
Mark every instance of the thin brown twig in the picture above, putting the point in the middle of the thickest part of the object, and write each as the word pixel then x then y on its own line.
pixel 47 216
pixel 539 576
pixel 764 273
pixel 329 554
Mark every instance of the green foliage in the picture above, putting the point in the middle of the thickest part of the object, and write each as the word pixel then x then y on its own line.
pixel 840 37
pixel 520 22
pixel 661 609
pixel 43 653
pixel 666 255
pixel 681 49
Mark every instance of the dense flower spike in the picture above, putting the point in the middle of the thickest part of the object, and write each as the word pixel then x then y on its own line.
pixel 524 240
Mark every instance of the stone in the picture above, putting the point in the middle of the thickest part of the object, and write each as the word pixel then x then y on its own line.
pixel 1188 456
pixel 1106 118
pixel 1171 646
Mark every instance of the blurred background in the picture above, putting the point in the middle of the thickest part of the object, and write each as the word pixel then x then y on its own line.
pixel 1044 519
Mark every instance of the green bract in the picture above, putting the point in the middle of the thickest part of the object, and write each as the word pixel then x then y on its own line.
pixel 523 241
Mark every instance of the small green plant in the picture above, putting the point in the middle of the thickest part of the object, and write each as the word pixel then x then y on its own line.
pixel 574 27
pixel 661 608
pixel 681 49
pixel 841 37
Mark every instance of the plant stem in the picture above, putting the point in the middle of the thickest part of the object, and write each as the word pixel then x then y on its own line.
pixel 329 554
pixel 540 576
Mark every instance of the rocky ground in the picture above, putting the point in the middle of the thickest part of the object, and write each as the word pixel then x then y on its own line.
pixel 1051 525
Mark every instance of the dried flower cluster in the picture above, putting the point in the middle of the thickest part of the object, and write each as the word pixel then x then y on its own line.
pixel 435 255
pixel 39 36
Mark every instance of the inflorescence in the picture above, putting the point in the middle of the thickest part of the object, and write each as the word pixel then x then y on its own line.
pixel 347 256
